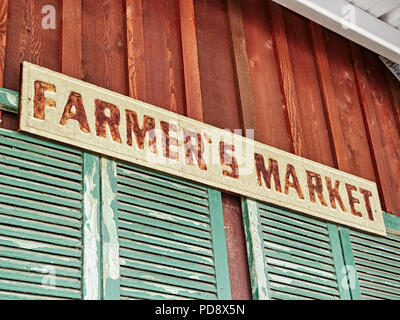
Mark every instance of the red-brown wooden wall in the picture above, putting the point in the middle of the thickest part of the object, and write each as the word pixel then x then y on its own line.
pixel 233 64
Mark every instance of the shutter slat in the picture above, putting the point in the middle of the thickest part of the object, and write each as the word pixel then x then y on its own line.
pixel 294 244
pixel 288 220
pixel 189 220
pixel 40 289
pixel 377 261
pixel 145 185
pixel 170 280
pixel 41 187
pixel 284 226
pixel 39 257
pixel 293 236
pixel 37 205
pixel 40 142
pixel 42 216
pixel 193 230
pixel 129 292
pixel 164 229
pixel 162 207
pixel 27 194
pixel 162 288
pixel 169 235
pixel 134 192
pixel 166 261
pixel 40 159
pixel 136 245
pixel 298 255
pixel 173 183
pixel 41 150
pixel 308 285
pixel 33 186
pixel 33 277
pixel 41 226
pixel 174 271
pixel 38 177
pixel 32 266
pixel 39 247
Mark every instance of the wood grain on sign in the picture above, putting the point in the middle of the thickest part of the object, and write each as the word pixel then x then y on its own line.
pixel 71 111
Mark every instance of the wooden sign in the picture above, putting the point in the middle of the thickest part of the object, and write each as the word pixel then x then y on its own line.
pixel 58 107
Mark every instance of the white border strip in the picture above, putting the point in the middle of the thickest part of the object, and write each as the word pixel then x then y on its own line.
pixel 351 22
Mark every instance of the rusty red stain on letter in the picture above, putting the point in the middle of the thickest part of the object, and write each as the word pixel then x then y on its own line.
pixel 40 101
pixel 112 120
pixel 75 100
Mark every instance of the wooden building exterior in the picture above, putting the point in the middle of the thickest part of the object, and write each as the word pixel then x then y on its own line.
pixel 249 64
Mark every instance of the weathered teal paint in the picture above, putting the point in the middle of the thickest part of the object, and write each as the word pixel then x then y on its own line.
pixel 255 250
pixel 40 218
pixel 219 245
pixel 392 223
pixel 109 209
pixel 9 100
pixel 351 274
pixel 92 273
pixel 338 260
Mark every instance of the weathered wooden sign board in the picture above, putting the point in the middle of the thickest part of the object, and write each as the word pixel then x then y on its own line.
pixel 58 107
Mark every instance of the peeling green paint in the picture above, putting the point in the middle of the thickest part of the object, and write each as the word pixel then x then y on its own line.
pixel 255 250
pixel 109 208
pixel 91 229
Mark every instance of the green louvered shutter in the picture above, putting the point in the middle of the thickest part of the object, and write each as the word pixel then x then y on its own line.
pixel 298 258
pixel 377 261
pixel 40 218
pixel 167 236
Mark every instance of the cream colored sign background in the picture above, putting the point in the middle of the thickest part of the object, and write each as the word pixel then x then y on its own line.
pixel 245 185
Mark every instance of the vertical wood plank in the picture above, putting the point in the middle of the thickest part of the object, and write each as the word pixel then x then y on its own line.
pixel 342 107
pixel 381 125
pixel 194 105
pixel 163 60
pixel 135 49
pixel 104 44
pixel 219 245
pixel 236 245
pixel 240 59
pixel 109 229
pixel 3 40
pixel 27 40
pixel 394 89
pixel 71 38
pixel 270 117
pixel 92 282
pixel 217 75
pixel 300 85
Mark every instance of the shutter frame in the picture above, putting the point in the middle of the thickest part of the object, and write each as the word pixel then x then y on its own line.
pixel 258 264
pixel 392 224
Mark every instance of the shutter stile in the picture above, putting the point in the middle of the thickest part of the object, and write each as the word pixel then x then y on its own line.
pixel 40 219
pixel 298 255
pixel 166 249
pixel 377 261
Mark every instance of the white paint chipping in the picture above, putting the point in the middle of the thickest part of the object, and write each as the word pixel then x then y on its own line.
pixel 91 238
